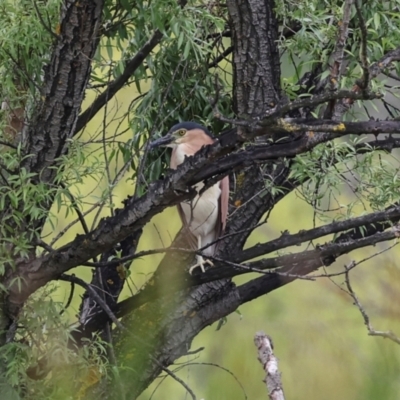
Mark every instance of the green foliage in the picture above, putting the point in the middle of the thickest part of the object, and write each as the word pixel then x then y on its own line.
pixel 339 181
pixel 24 45
pixel 44 334
pixel 320 22
pixel 26 199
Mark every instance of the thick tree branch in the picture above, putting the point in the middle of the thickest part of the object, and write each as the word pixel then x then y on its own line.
pixel 318 99
pixel 174 189
pixel 287 240
pixel 327 126
pixel 290 266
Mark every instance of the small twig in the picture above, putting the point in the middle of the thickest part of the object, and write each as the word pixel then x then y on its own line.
pixel 174 376
pixel 260 271
pixel 72 223
pixel 371 331
pixel 392 76
pixel 209 364
pixel 353 265
pixel 76 208
pixel 8 144
pixel 236 122
pixel 192 352
pixel 71 295
pixel 47 27
pixel 318 99
pixel 270 364
pixel 219 58
pixel 44 245
pixel 364 56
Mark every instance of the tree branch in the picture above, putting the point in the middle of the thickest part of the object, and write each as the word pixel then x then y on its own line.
pixel 286 240
pixel 113 87
pixel 270 365
pixel 290 266
pixel 318 99
pixel 93 293
pixel 338 55
pixel 364 49
pixel 208 162
pixel 220 57
pixel 371 331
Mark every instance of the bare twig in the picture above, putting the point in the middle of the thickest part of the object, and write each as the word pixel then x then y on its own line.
pixel 270 365
pixel 175 377
pixel 47 27
pixel 74 204
pixel 3 143
pixel 286 239
pixel 72 223
pixel 249 268
pixel 371 331
pixel 70 297
pixel 43 245
pixel 364 38
pixel 220 57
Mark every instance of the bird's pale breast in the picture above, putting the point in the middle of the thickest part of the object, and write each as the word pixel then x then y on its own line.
pixel 202 212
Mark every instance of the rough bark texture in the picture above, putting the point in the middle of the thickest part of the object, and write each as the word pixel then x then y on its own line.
pixel 65 83
pixel 256 62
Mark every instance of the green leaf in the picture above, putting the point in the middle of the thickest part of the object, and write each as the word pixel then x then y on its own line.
pixel 186 50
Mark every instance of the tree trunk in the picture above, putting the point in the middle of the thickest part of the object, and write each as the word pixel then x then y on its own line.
pixel 161 331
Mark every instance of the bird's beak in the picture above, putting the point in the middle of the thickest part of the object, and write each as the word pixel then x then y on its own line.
pixel 162 142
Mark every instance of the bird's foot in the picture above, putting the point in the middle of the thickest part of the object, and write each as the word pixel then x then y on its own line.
pixel 200 263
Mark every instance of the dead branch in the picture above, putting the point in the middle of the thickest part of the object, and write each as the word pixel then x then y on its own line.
pixel 270 365
pixel 371 331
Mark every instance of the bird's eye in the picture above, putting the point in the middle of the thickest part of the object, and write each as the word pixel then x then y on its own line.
pixel 181 132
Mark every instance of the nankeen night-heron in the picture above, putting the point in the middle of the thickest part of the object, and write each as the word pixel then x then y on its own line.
pixel 205 216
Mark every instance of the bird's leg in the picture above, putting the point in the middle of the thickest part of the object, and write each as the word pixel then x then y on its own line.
pixel 200 260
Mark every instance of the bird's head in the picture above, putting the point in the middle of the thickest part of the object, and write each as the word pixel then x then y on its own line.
pixel 190 134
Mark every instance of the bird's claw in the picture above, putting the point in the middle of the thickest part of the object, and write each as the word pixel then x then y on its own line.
pixel 200 263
